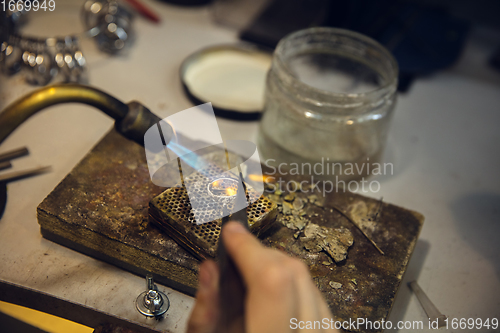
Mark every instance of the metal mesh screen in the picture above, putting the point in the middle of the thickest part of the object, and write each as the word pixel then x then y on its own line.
pixel 172 211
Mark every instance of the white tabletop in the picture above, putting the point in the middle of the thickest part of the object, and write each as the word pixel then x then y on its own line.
pixel 444 144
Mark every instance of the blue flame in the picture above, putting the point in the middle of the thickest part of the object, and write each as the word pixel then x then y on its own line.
pixel 189 157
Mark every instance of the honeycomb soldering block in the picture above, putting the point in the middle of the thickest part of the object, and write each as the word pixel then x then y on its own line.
pixel 172 211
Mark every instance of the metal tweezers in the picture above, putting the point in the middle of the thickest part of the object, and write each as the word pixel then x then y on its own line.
pixel 232 289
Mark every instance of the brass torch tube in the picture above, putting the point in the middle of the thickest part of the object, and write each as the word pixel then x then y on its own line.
pixel 17 112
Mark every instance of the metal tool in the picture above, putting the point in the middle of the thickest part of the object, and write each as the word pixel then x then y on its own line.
pixel 132 119
pixel 152 303
pixel 12 154
pixel 16 175
pixel 5 165
pixel 231 287
pixel 429 308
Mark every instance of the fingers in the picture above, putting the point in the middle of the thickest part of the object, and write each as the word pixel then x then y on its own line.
pixel 205 313
pixel 279 287
pixel 246 250
pixel 270 294
pixel 258 263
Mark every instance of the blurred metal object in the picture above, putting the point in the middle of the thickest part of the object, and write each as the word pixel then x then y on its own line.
pixel 152 303
pixel 69 61
pixel 10 58
pixel 429 308
pixel 60 59
pixel 16 175
pixel 11 154
pixel 43 60
pixel 38 68
pixel 111 23
pixel 5 165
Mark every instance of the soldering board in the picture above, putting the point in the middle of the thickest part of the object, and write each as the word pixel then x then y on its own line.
pixel 101 209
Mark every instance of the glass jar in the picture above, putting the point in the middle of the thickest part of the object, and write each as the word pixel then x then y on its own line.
pixel 330 94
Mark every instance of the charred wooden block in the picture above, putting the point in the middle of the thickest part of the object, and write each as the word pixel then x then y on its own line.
pixel 101 209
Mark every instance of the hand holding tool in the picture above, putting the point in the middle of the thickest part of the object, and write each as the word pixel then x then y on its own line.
pixel 232 290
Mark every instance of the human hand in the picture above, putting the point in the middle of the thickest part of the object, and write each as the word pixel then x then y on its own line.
pixel 278 287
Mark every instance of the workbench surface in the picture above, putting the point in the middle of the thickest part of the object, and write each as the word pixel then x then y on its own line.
pixel 444 144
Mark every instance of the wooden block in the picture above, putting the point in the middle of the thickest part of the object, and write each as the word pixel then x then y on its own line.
pixel 101 209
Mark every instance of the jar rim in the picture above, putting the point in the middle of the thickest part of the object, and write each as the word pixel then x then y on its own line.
pixel 352 99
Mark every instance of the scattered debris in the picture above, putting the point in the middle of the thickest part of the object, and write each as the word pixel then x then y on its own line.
pixel 287 208
pixel 298 204
pixel 295 222
pixel 335 242
pixel 312 198
pixel 315 238
pixel 290 197
pixel 335 285
pixel 274 197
